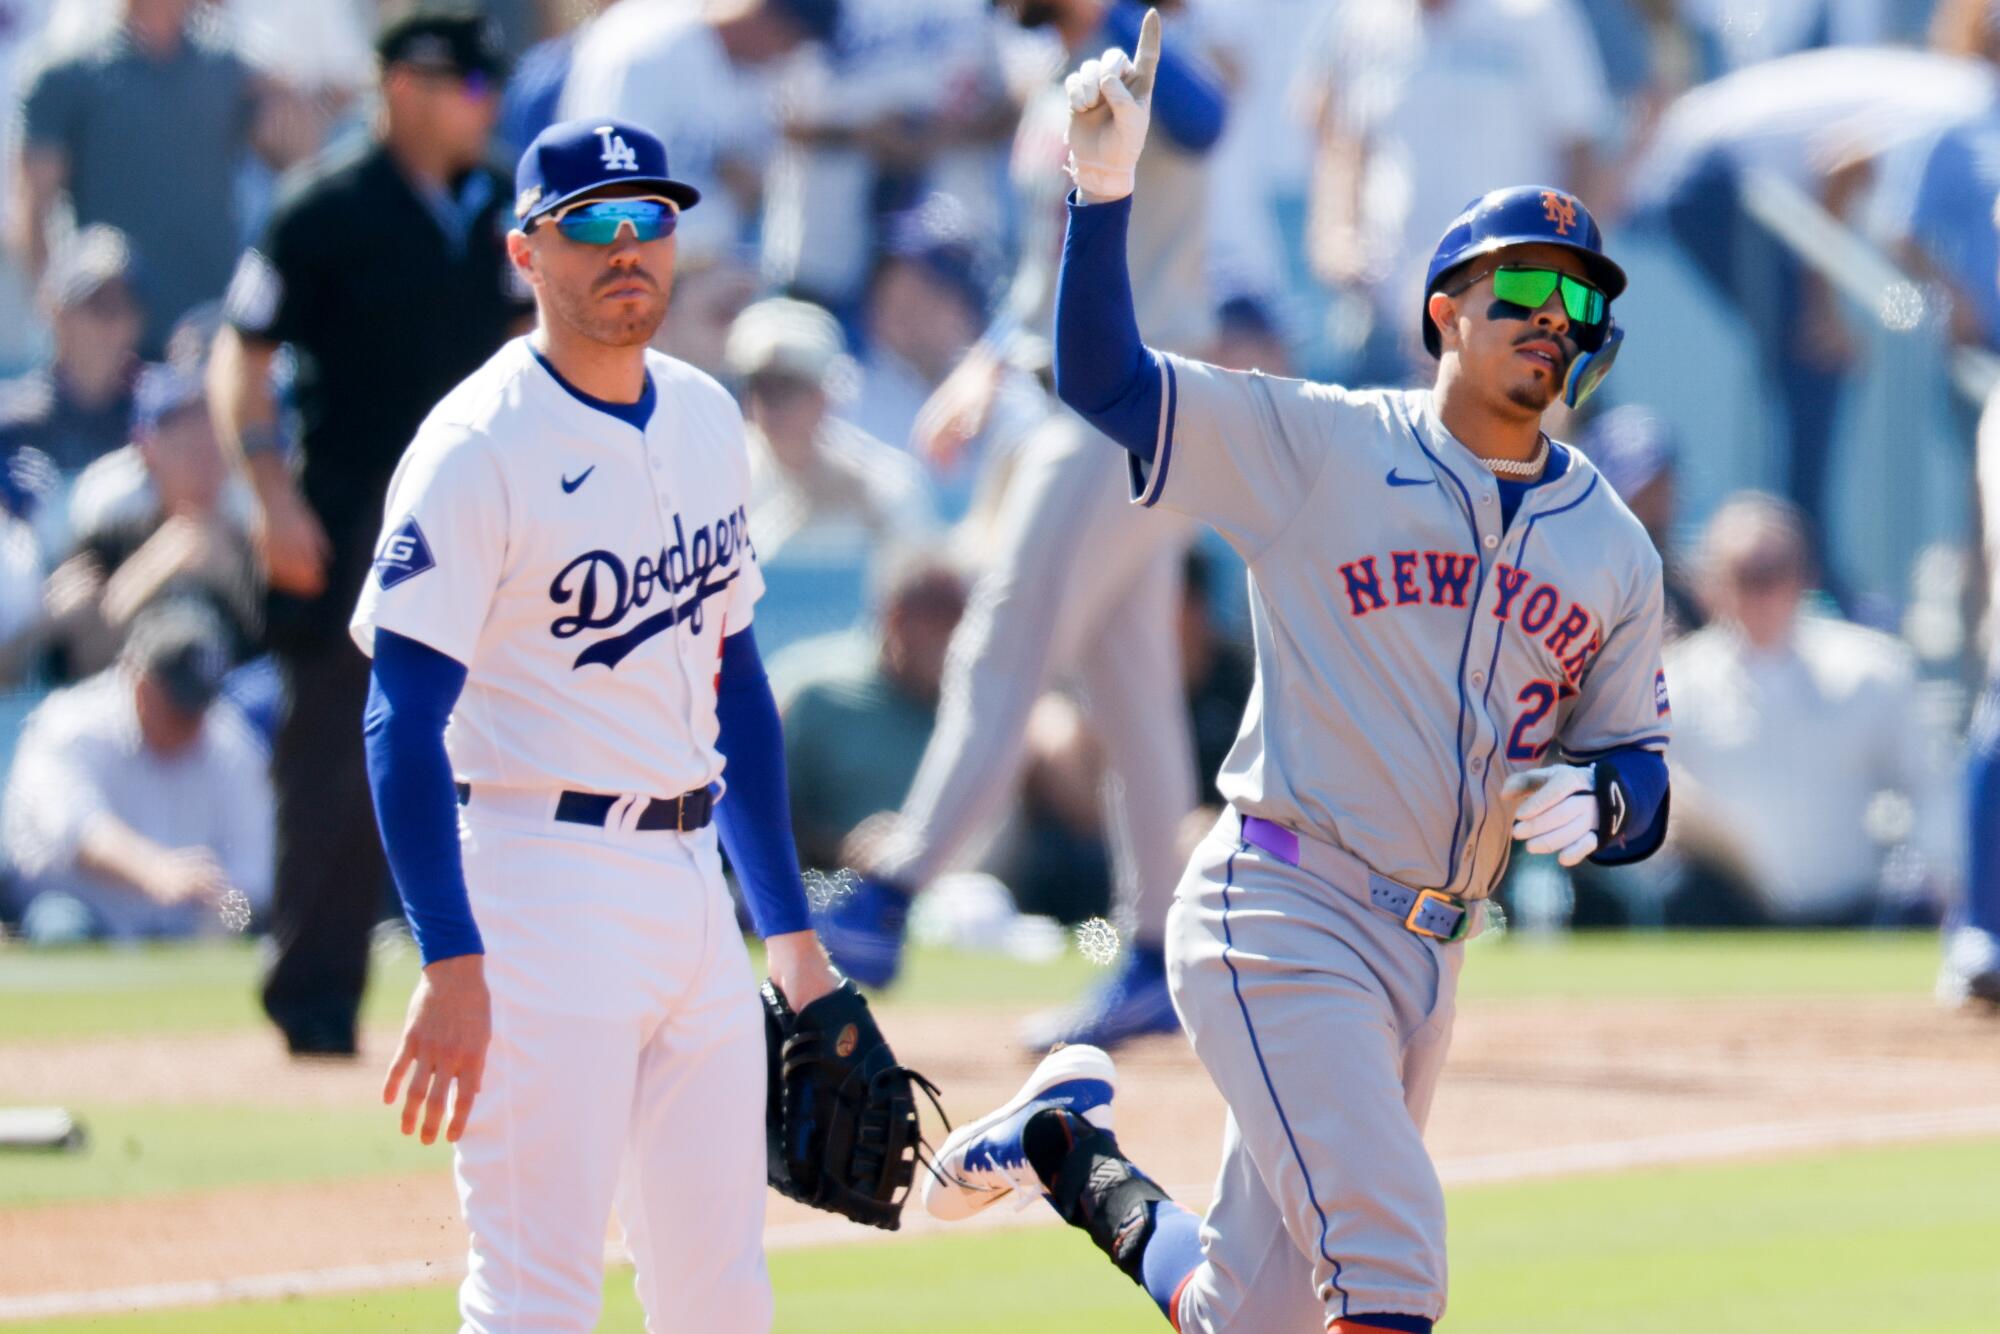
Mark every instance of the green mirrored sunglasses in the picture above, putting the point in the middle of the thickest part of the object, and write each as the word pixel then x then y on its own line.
pixel 1530 288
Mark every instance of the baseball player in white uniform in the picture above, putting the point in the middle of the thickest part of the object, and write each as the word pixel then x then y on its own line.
pixel 564 574
pixel 1457 628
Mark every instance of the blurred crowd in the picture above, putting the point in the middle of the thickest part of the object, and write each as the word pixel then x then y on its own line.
pixel 247 239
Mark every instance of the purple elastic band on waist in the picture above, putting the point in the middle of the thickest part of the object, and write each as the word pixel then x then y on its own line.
pixel 1275 839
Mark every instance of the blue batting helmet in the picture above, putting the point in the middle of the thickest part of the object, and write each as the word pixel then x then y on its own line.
pixel 1519 215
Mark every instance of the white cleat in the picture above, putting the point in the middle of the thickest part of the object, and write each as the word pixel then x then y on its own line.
pixel 983 1162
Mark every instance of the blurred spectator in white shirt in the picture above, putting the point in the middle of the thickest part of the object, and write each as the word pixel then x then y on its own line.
pixel 927 302
pixel 697 73
pixel 1799 756
pixel 907 95
pixel 138 798
pixel 1424 105
pixel 820 488
pixel 1260 169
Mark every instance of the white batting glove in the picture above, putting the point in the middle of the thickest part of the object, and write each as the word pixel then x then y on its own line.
pixel 1110 104
pixel 1556 811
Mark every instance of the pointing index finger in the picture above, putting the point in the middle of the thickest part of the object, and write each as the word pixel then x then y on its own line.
pixel 1146 59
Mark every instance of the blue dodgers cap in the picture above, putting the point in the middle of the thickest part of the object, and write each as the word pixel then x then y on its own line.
pixel 575 158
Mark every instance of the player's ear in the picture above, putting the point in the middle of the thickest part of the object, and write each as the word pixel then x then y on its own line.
pixel 521 255
pixel 1444 313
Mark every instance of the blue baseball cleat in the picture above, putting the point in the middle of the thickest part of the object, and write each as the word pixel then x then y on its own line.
pixel 983 1162
pixel 1131 1003
pixel 863 932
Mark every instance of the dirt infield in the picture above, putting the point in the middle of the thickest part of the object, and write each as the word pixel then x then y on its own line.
pixel 1524 1076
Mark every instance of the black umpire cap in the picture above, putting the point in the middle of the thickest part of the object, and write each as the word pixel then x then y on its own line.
pixel 448 41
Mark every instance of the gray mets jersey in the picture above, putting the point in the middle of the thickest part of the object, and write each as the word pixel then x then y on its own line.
pixel 1412 651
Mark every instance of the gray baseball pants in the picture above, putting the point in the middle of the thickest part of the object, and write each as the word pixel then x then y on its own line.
pixel 1324 1022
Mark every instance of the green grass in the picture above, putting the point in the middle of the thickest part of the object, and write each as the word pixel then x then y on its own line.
pixel 1715 964
pixel 210 988
pixel 1855 1243
pixel 135 991
pixel 153 1150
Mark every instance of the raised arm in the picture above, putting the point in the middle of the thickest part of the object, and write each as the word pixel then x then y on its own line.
pixel 1102 370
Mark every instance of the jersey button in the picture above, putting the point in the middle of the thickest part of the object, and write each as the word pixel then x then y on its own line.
pixel 1486 497
pixel 1491 541
pixel 1479 678
pixel 1478 763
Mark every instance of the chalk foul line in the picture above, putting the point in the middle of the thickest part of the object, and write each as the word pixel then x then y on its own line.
pixel 1682 1147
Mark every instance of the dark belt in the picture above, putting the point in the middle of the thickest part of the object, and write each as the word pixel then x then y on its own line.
pixel 684 814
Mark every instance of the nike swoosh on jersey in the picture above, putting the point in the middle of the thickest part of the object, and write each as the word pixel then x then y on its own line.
pixel 1410 481
pixel 569 485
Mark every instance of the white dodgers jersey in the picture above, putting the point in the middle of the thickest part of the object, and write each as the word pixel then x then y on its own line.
pixel 583 571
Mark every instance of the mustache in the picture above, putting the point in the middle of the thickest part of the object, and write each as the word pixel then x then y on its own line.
pixel 1565 345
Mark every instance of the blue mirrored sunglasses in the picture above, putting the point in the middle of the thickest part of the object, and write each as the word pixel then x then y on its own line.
pixel 598 221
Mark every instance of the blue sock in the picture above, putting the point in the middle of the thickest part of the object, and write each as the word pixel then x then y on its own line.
pixel 1172 1253
pixel 1982 796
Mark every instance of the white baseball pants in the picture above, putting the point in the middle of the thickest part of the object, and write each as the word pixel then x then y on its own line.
pixel 627 1065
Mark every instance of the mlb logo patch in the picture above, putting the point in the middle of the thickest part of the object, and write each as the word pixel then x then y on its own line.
pixel 404 555
pixel 1660 707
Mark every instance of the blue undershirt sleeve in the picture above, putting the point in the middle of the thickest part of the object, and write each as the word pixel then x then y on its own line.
pixel 1187 98
pixel 754 816
pixel 1102 369
pixel 411 691
pixel 1644 773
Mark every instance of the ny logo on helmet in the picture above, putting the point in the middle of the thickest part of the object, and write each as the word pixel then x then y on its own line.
pixel 618 155
pixel 1559 209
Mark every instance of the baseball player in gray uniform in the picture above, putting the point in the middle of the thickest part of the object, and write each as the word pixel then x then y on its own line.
pixel 1078 583
pixel 1457 627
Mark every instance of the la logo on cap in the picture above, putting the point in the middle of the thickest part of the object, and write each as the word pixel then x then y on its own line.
pixel 618 155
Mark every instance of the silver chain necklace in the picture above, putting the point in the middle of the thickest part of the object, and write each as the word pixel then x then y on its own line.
pixel 1520 468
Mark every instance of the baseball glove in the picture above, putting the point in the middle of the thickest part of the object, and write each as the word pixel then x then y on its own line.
pixel 841 1115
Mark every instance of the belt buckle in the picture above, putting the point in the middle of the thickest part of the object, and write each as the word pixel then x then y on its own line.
pixel 680 813
pixel 1417 907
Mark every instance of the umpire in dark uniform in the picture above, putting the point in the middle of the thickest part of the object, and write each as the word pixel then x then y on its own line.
pixel 384 270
